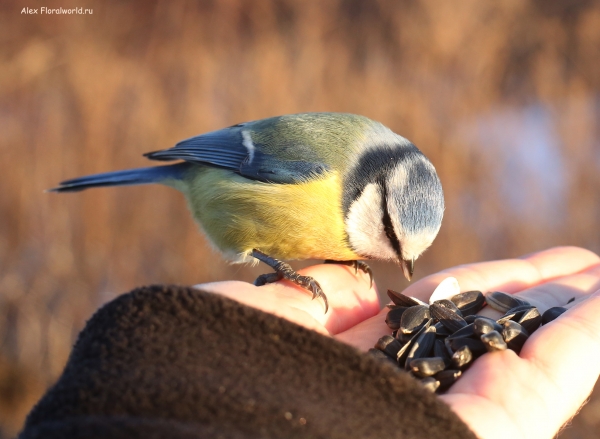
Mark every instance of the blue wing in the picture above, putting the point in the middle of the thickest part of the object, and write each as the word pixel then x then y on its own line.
pixel 233 148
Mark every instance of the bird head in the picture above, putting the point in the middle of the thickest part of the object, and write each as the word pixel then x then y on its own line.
pixel 397 205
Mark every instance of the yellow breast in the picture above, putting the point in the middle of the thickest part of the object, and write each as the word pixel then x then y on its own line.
pixel 285 221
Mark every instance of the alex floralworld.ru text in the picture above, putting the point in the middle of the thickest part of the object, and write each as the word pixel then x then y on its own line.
pixel 57 11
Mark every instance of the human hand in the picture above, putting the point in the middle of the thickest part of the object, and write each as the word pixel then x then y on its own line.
pixel 503 394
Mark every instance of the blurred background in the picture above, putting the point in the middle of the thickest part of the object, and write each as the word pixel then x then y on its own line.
pixel 503 97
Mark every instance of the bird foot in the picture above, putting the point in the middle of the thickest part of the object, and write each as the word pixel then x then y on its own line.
pixel 285 271
pixel 356 265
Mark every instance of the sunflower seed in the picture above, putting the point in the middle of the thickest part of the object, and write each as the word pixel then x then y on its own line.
pixel 493 341
pixel 441 330
pixel 462 357
pixel 392 319
pixel 477 347
pixel 514 335
pixel 428 366
pixel 447 377
pixel 440 350
pixel 403 338
pixel 438 341
pixel 469 302
pixel 394 306
pixel 448 304
pixel 445 289
pixel 430 384
pixel 530 320
pixel 483 325
pixel 405 350
pixel 401 299
pixel 503 302
pixel 552 313
pixel 376 353
pixel 413 318
pixel 515 313
pixel 470 318
pixel 422 346
pixel 465 331
pixel 389 345
pixel 448 318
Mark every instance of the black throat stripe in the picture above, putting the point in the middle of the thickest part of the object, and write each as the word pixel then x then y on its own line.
pixel 387 223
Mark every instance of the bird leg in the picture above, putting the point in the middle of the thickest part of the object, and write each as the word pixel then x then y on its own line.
pixel 356 265
pixel 285 271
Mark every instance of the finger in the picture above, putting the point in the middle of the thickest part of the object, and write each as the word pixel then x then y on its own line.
pixel 558 292
pixel 567 354
pixel 351 296
pixel 561 261
pixel 510 275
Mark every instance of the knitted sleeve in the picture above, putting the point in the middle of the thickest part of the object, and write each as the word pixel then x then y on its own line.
pixel 176 362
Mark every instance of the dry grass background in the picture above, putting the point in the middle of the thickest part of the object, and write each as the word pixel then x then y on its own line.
pixel 502 96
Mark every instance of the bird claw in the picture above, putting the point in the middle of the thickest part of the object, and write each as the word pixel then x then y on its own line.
pixel 285 271
pixel 363 266
pixel 317 291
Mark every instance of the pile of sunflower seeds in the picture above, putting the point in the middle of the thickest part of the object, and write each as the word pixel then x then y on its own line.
pixel 436 343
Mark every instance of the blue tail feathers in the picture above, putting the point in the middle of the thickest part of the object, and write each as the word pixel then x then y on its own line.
pixel 127 177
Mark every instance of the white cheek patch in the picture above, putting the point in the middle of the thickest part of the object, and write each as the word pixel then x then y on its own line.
pixel 247 142
pixel 365 228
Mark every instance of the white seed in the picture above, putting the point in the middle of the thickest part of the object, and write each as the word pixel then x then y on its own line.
pixel 445 290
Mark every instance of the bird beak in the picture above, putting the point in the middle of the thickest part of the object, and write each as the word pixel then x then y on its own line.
pixel 408 267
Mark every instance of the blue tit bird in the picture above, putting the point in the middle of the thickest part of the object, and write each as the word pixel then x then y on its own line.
pixel 332 186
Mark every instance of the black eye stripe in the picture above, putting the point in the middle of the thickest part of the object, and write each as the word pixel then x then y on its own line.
pixel 373 165
pixel 387 223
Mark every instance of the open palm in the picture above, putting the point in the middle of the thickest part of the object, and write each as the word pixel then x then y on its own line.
pixel 503 394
